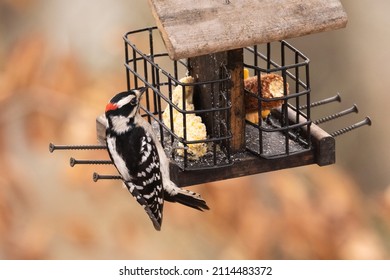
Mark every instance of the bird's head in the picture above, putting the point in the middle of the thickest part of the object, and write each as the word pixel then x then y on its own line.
pixel 125 104
pixel 122 110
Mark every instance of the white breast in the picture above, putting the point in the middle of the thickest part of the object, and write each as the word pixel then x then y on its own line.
pixel 118 160
pixel 120 124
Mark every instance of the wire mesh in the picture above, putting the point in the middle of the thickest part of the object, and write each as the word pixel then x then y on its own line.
pixel 149 65
pixel 286 130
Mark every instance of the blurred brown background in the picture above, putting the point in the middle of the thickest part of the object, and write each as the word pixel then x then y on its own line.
pixel 60 61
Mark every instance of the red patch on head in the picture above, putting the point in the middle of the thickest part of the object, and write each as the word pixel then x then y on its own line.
pixel 111 107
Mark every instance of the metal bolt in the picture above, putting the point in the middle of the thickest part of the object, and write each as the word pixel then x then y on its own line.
pixel 353 109
pixel 96 177
pixel 366 121
pixel 53 147
pixel 337 98
pixel 74 161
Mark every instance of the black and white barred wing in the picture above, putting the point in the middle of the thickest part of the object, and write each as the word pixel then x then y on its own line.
pixel 146 181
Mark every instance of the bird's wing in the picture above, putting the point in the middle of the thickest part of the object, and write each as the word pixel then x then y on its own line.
pixel 146 183
pixel 153 210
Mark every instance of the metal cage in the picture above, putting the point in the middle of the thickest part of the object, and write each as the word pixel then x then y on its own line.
pixel 286 130
pixel 160 74
pixel 281 134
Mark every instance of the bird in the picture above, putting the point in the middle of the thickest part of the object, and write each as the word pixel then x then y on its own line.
pixel 140 158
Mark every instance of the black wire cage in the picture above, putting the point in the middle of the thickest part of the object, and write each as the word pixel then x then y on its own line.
pixel 161 75
pixel 281 134
pixel 286 130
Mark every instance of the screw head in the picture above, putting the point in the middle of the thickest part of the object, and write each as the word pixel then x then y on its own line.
pixel 52 147
pixel 72 162
pixel 368 120
pixel 355 108
pixel 95 177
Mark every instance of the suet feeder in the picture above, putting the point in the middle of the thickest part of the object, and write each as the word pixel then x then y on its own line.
pixel 199 84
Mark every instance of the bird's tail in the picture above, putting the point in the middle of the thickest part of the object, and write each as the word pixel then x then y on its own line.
pixel 187 198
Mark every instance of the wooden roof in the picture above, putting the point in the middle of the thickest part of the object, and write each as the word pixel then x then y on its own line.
pixel 196 27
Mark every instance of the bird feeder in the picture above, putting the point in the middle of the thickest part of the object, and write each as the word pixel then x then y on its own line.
pixel 195 65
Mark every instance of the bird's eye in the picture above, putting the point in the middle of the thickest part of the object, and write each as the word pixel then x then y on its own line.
pixel 133 102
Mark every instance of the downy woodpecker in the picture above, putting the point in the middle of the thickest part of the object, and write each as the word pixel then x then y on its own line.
pixel 140 159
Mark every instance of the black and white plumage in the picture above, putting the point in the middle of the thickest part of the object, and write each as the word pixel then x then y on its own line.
pixel 140 159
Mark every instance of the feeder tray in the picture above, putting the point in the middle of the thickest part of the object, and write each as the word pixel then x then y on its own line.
pixel 213 41
pixel 288 138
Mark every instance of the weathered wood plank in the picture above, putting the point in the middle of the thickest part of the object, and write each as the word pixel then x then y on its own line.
pixel 324 143
pixel 206 68
pixel 235 63
pixel 101 124
pixel 194 28
pixel 245 165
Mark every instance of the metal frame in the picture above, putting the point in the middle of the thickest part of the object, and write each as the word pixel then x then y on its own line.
pixel 144 68
pixel 293 66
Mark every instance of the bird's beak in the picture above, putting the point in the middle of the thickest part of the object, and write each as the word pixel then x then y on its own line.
pixel 140 91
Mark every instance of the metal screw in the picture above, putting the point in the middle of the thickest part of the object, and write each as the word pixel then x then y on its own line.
pixel 337 97
pixel 74 161
pixel 353 109
pixel 53 147
pixel 366 121
pixel 96 177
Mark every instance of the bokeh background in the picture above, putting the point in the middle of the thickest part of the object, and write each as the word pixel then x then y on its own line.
pixel 60 61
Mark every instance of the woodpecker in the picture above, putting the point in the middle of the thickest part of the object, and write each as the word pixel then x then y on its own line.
pixel 140 158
